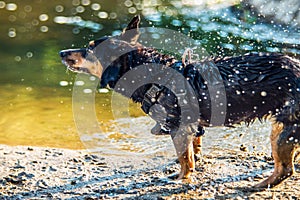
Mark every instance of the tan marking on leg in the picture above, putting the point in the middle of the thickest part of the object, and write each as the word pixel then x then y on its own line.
pixel 277 128
pixel 187 163
pixel 283 154
pixel 197 145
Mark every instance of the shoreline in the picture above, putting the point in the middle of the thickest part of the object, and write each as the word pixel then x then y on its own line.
pixel 51 173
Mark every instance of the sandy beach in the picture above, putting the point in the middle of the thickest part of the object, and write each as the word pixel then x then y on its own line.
pixel 51 173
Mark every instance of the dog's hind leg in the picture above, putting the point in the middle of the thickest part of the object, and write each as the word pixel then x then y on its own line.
pixel 183 142
pixel 197 144
pixel 187 162
pixel 284 141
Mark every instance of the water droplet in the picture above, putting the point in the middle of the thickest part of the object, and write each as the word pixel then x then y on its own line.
pixel 79 83
pixel 2 4
pixel 29 54
pixel 102 15
pixel 35 22
pixel 132 10
pixel 59 8
pixel 63 83
pixel 128 3
pixel 103 90
pixel 76 30
pixel 263 93
pixel 44 29
pixel 11 6
pixel 12 33
pixel 80 9
pixel 28 8
pixel 43 17
pixel 85 2
pixel 92 78
pixel 29 89
pixel 12 18
pixel 96 6
pixel 87 91
pixel 113 15
pixel 18 58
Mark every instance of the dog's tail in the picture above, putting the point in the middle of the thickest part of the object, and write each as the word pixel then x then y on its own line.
pixel 294 64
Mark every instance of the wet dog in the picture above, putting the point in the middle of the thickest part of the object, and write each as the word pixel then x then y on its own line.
pixel 252 86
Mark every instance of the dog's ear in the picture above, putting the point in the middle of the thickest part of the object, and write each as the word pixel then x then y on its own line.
pixel 131 33
pixel 134 23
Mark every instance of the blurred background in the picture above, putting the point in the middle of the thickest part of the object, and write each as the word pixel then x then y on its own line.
pixel 36 89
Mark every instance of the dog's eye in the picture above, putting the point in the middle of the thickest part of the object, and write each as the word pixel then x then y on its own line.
pixel 91 45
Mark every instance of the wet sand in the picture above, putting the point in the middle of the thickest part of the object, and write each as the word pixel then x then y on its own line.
pixel 51 173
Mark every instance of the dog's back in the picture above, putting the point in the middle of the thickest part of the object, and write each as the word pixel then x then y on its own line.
pixel 256 85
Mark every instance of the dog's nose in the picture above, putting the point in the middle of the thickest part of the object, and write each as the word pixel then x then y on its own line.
pixel 64 53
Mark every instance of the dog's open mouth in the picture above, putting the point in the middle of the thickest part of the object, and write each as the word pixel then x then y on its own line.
pixel 74 68
pixel 78 69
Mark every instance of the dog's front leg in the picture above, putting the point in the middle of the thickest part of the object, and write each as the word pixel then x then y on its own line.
pixel 187 162
pixel 197 143
pixel 197 146
pixel 183 142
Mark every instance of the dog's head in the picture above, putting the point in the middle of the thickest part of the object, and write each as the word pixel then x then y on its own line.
pixel 100 57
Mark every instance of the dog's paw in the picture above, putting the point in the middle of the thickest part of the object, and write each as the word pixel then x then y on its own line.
pixel 198 158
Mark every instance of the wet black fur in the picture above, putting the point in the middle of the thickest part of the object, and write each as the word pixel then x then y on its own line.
pixel 256 84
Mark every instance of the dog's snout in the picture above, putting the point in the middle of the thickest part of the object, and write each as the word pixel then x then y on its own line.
pixel 65 53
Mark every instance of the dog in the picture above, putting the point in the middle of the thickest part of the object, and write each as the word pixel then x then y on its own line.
pixel 256 86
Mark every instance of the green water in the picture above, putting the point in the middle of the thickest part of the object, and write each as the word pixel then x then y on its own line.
pixel 36 89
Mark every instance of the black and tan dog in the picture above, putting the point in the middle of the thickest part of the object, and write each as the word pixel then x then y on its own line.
pixel 257 85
